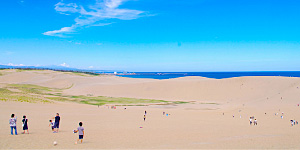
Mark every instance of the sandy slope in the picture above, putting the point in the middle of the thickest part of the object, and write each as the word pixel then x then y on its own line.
pixel 195 125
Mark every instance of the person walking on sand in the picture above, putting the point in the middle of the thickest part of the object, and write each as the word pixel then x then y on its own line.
pixel 13 124
pixel 250 121
pixel 144 117
pixel 80 131
pixel 145 112
pixel 25 125
pixel 56 124
pixel 255 122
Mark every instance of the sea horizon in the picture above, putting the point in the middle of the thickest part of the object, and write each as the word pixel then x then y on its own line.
pixel 214 75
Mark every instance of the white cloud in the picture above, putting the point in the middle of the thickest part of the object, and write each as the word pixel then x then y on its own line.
pixel 60 32
pixel 64 65
pixel 11 64
pixel 102 24
pixel 93 15
pixel 66 8
pixel 91 67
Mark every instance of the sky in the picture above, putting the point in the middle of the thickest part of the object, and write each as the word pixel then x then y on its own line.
pixel 152 35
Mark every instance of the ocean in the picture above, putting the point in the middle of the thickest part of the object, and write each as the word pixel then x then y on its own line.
pixel 215 75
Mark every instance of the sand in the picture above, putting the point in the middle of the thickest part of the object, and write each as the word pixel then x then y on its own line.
pixel 196 125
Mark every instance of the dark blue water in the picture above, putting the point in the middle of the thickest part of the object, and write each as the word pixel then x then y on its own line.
pixel 215 75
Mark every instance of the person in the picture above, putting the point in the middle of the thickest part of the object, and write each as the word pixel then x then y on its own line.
pixel 145 112
pixel 255 122
pixel 56 124
pixel 250 121
pixel 51 124
pixel 80 131
pixel 13 124
pixel 25 124
pixel 163 113
pixel 144 117
pixel 292 122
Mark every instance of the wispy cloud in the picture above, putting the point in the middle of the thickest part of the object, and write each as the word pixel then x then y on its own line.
pixel 60 32
pixel 93 15
pixel 66 8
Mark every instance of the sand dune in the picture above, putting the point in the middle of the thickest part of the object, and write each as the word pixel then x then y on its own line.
pixel 233 90
pixel 198 124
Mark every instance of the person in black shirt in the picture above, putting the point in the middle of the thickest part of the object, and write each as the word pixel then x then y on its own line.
pixel 25 125
pixel 56 123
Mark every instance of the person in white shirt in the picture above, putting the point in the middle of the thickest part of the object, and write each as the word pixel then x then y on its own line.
pixel 250 121
pixel 13 124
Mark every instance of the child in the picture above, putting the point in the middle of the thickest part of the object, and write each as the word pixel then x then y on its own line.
pixel 255 122
pixel 80 131
pixel 25 125
pixel 13 124
pixel 51 124
pixel 144 117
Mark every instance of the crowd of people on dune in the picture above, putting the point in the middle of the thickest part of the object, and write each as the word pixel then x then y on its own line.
pixel 253 121
pixel 53 124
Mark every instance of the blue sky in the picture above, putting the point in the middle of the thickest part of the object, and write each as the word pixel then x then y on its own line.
pixel 152 35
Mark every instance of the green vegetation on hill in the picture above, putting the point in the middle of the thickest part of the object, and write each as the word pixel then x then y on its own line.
pixel 34 93
pixel 84 74
pixel 7 95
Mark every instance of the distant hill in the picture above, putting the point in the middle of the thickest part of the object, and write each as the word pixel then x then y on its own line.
pixel 54 67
